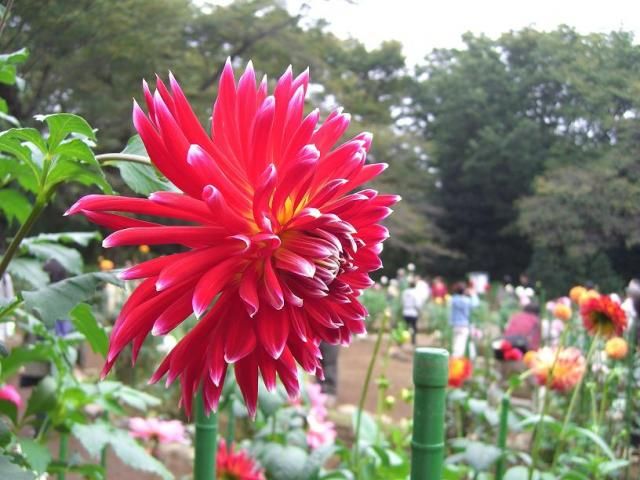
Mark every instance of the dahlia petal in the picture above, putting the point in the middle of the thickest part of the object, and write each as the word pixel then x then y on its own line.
pixel 273 330
pixel 211 395
pixel 155 147
pixel 180 201
pixel 288 373
pixel 289 296
pixel 302 136
pixel 246 371
pixel 201 260
pixel 271 286
pixel 221 211
pixel 152 267
pixel 262 137
pixel 115 222
pixel 299 323
pixel 367 173
pixel 212 283
pixel 330 131
pixel 248 290
pixel 294 263
pixel 141 206
pixel 174 315
pixel 187 118
pixel 267 369
pixel 264 191
pixel 312 247
pixel 163 236
pixel 240 340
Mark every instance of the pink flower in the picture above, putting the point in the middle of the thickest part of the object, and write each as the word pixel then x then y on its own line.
pixel 320 431
pixel 278 239
pixel 163 431
pixel 11 394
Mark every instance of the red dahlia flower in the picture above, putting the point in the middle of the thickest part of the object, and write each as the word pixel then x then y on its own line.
pixel 460 370
pixel 236 465
pixel 278 244
pixel 602 316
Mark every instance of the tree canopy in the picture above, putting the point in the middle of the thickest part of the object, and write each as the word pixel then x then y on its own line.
pixel 509 152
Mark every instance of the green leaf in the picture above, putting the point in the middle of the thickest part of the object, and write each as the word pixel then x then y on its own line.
pixel 69 258
pixel 368 428
pixel 19 56
pixel 9 409
pixel 595 438
pixel 43 397
pixel 29 135
pixel 11 471
pixel 9 119
pixel 5 434
pixel 77 149
pixel 285 462
pixel 129 396
pixel 62 124
pixel 68 170
pixel 80 238
pixel 29 270
pixel 142 179
pixel 55 301
pixel 20 356
pixel 522 473
pixel 85 322
pixel 36 454
pixel 481 455
pixel 93 437
pixel 14 205
pixel 131 453
pixel 12 144
pixel 8 74
pixel 611 466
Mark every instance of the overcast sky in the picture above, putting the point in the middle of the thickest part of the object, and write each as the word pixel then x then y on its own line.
pixel 422 25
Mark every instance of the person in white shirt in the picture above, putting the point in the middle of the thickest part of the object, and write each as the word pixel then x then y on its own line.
pixel 412 301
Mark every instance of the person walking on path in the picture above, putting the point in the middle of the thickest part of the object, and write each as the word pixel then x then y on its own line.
pixel 463 301
pixel 412 301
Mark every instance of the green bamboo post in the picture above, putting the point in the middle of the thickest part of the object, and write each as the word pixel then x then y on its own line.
pixel 430 377
pixel 502 435
pixel 206 442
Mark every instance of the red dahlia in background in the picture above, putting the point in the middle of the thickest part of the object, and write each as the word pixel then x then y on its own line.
pixel 278 246
pixel 602 316
pixel 236 464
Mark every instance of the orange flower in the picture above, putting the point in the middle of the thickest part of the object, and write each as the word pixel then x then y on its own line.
pixel 603 316
pixel 460 370
pixel 616 348
pixel 576 292
pixel 562 311
pixel 529 358
pixel 106 265
pixel 144 249
pixel 588 295
pixel 569 367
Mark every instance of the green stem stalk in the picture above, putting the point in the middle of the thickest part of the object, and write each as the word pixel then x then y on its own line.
pixel 126 157
pixel 206 442
pixel 25 228
pixel 502 434
pixel 231 424
pixel 363 393
pixel 572 403
pixel 63 453
pixel 430 377
pixel 538 430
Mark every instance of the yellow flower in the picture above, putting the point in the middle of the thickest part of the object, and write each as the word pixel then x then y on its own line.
pixel 616 348
pixel 562 312
pixel 576 292
pixel 439 300
pixel 144 249
pixel 106 265
pixel 588 295
pixel 529 358
pixel 567 370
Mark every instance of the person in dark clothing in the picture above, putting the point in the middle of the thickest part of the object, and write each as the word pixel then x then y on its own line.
pixel 330 367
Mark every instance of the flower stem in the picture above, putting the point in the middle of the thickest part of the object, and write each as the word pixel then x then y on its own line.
pixel 572 403
pixel 206 442
pixel 36 211
pixel 502 434
pixel 365 389
pixel 123 157
pixel 63 453
pixel 538 430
